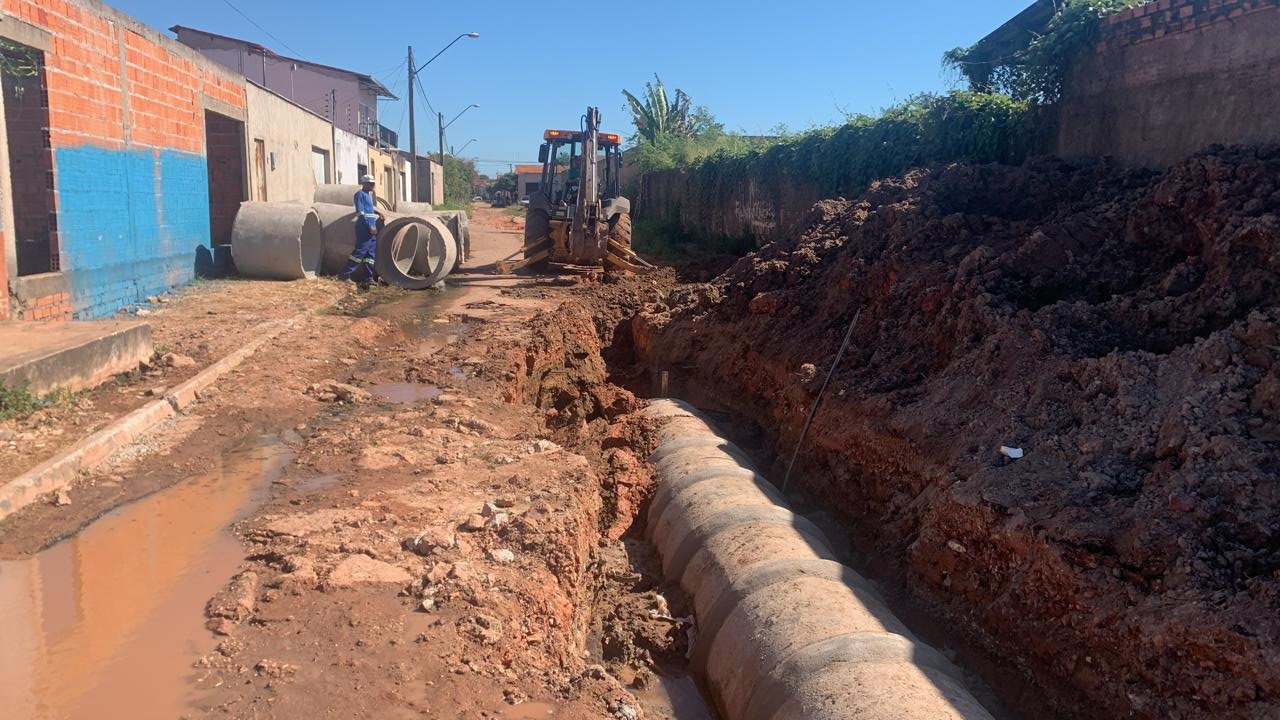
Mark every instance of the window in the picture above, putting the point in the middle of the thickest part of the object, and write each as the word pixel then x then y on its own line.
pixel 404 187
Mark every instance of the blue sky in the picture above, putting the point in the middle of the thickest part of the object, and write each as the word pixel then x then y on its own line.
pixel 755 64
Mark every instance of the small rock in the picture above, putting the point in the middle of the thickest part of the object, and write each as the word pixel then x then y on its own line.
pixel 62 498
pixel 538 447
pixel 489 509
pixel 427 604
pixel 331 390
pixel 7 435
pixel 174 360
pixel 499 520
pixel 502 556
pixel 474 523
pixel 956 547
pixel 142 312
pixel 153 299
pixel 155 391
pixel 505 502
pixel 357 569
pixel 439 572
pixel 808 372
pixel 431 539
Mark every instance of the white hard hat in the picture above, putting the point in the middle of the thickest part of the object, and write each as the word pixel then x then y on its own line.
pixel 366 179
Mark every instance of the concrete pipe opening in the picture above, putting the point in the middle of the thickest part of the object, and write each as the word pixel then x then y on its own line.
pixel 391 259
pixel 277 241
pixel 784 630
pixel 438 253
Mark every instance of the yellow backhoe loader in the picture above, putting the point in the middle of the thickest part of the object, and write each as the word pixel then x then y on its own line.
pixel 575 215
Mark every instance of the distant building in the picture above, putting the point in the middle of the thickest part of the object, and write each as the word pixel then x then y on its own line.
pixel 528 180
pixel 348 99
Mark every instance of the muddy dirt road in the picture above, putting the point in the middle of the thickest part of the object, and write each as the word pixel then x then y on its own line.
pixel 413 505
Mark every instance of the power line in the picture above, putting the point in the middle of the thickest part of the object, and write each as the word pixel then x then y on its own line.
pixel 284 44
pixel 424 93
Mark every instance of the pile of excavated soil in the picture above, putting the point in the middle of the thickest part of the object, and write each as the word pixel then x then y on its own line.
pixel 1121 329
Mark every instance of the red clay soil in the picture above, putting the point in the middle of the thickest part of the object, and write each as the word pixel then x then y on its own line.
pixel 1121 328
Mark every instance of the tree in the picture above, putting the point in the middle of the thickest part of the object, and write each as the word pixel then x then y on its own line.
pixel 505 181
pixel 657 115
pixel 459 179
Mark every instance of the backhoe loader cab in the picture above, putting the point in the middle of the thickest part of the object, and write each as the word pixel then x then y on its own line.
pixel 576 215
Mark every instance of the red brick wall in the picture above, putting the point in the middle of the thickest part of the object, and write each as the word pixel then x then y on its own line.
pixel 1172 77
pixel 47 308
pixel 1155 20
pixel 128 250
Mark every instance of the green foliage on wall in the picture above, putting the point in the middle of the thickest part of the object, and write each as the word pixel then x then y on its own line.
pixel 958 126
pixel 1037 72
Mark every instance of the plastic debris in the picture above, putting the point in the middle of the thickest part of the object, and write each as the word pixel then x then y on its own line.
pixel 1011 452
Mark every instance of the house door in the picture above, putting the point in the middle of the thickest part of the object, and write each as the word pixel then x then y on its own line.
pixel 320 165
pixel 260 170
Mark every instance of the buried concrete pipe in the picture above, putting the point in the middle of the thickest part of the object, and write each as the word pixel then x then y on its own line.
pixel 277 241
pixel 784 631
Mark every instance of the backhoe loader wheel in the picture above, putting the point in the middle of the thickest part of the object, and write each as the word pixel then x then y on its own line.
pixel 537 224
pixel 620 229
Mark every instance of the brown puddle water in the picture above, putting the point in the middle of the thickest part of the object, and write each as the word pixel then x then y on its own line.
pixel 108 623
pixel 405 392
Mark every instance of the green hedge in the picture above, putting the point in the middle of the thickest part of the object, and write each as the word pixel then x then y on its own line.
pixel 842 161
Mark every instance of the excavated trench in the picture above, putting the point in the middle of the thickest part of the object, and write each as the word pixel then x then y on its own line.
pixel 1117 328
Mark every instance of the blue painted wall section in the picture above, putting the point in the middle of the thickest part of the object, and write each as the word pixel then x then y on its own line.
pixel 130 223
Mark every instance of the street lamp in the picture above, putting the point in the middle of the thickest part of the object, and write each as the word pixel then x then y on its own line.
pixel 413 73
pixel 458 152
pixel 444 125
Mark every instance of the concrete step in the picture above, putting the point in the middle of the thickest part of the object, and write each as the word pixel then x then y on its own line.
pixel 73 355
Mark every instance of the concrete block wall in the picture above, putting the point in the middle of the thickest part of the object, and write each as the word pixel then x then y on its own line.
pixel 127 133
pixel 1171 77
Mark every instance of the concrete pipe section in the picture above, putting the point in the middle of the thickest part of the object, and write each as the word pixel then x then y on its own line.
pixel 460 226
pixel 278 241
pixel 785 632
pixel 345 195
pixel 409 207
pixel 430 240
pixel 338 223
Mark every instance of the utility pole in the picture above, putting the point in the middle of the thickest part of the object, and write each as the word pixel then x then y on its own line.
pixel 440 120
pixel 413 140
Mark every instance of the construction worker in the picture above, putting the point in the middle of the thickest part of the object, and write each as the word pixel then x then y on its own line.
pixel 366 234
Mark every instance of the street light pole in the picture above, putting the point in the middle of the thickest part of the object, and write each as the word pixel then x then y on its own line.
pixel 413 139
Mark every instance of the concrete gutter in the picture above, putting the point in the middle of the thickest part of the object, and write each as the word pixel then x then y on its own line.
pixel 59 472
pixel 784 630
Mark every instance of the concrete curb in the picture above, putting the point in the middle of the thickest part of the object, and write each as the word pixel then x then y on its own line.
pixel 58 472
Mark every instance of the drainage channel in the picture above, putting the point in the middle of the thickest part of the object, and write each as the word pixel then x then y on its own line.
pixel 109 622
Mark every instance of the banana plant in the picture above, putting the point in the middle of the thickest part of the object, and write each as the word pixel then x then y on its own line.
pixel 657 115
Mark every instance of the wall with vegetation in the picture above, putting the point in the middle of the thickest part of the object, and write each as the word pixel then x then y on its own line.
pixel 764 195
pixel 1168 78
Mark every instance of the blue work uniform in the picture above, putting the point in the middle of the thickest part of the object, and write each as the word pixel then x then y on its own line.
pixel 366 238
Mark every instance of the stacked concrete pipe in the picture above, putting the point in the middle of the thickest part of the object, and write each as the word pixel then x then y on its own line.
pixel 344 195
pixel 785 632
pixel 278 241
